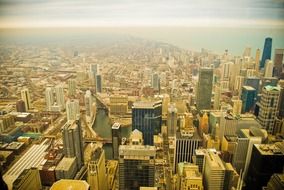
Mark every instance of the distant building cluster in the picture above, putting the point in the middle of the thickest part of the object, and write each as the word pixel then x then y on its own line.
pixel 141 116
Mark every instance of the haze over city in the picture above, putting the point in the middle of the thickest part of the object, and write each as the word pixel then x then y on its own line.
pixel 142 95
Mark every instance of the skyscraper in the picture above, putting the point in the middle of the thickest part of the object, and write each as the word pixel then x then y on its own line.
pixel 71 87
pixel 239 84
pixel 253 82
pixel 248 98
pixel 116 139
pixel 185 147
pixel 257 57
pixel 172 120
pixel 147 118
pixel 217 96
pixel 99 84
pixel 214 172
pixel 94 68
pixel 73 141
pixel 237 107
pixel 226 70
pixel 268 69
pixel 268 107
pixel 278 62
pixel 72 109
pixel 266 52
pixel 97 170
pixel 281 103
pixel 204 88
pixel 267 160
pixel 49 98
pixel 245 141
pixel 136 166
pixel 60 99
pixel 94 71
pixel 155 82
pixel 89 104
pixel 25 95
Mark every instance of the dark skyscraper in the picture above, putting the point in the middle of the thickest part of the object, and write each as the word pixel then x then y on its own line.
pixel 116 139
pixel 266 52
pixel 248 98
pixel 136 166
pixel 204 89
pixel 147 118
pixel 278 59
pixel 281 104
pixel 99 83
pixel 267 160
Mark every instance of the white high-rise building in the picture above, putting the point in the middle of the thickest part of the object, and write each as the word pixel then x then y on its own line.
pixel 59 92
pixel 268 107
pixel 71 87
pixel 239 84
pixel 155 81
pixel 237 107
pixel 268 70
pixel 89 104
pixel 226 70
pixel 49 98
pixel 236 67
pixel 94 71
pixel 214 172
pixel 72 109
pixel 257 57
pixel 25 95
pixel 217 97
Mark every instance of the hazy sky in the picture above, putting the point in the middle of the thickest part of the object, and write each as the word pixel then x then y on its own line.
pixel 41 13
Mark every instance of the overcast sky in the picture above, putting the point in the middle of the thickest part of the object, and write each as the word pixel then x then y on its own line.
pixel 46 13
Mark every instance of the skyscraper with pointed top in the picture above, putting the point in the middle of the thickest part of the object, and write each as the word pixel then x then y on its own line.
pixel 266 52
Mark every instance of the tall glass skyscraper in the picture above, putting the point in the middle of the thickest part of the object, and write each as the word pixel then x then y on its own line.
pixel 248 98
pixel 266 52
pixel 204 88
pixel 99 83
pixel 147 118
pixel 136 166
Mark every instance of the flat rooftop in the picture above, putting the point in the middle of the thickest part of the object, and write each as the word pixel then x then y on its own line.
pixel 32 158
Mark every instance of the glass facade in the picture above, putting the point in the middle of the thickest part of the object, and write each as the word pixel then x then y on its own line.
pixel 266 52
pixel 248 98
pixel 136 173
pixel 204 89
pixel 148 120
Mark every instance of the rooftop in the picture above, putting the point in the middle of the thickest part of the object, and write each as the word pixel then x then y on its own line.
pixel 68 184
pixel 248 88
pixel 65 163
pixel 215 161
pixel 116 126
pixel 272 88
pixel 268 149
pixel 32 158
pixel 147 105
pixel 137 150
